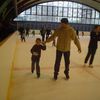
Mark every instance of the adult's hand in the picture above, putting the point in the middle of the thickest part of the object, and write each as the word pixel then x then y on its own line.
pixel 44 42
pixel 79 50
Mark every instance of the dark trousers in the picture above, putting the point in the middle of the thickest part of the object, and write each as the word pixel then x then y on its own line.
pixel 90 54
pixel 22 38
pixel 43 37
pixel 47 36
pixel 35 60
pixel 58 60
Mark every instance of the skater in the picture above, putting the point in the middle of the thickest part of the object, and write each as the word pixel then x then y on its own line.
pixel 54 41
pixel 65 34
pixel 48 32
pixel 42 32
pixel 27 31
pixel 22 33
pixel 93 45
pixel 33 32
pixel 77 32
pixel 82 33
pixel 36 54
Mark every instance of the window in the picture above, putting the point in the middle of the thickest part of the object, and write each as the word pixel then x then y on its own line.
pixel 70 4
pixel 55 19
pixel 55 4
pixel 93 14
pixel 88 21
pixel 89 13
pixel 33 18
pixel 70 19
pixel 54 11
pixel 65 4
pixel 83 20
pixel 84 13
pixel 74 12
pixel 99 22
pixel 39 10
pixel 50 4
pixel 97 15
pixel 44 18
pixel 69 12
pixel 60 11
pixel 60 4
pixel 79 6
pixel 92 21
pixel 79 13
pixel 28 12
pixel 50 18
pixel 38 18
pixel 22 14
pixel 96 21
pixel 74 5
pixel 65 12
pixel 59 19
pixel 44 10
pixel 49 10
pixel 34 10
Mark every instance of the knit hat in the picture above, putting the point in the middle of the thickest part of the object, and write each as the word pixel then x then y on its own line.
pixel 64 20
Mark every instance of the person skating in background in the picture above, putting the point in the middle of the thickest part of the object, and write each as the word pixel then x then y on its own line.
pixel 92 47
pixel 48 32
pixel 77 32
pixel 27 31
pixel 33 32
pixel 82 33
pixel 54 41
pixel 42 32
pixel 36 54
pixel 22 33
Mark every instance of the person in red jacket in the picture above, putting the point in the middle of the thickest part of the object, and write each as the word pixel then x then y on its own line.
pixel 36 54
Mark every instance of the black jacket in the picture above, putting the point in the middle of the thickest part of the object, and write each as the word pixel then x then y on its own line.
pixel 93 44
pixel 36 49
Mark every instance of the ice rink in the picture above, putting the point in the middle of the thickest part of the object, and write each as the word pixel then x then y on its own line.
pixel 84 82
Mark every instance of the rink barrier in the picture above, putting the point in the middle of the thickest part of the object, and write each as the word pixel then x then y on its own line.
pixel 7 52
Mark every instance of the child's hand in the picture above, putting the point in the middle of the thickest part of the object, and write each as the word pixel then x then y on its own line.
pixel 43 42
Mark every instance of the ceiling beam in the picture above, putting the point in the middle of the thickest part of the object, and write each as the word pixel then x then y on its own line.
pixel 28 4
pixel 15 7
pixel 4 6
pixel 97 1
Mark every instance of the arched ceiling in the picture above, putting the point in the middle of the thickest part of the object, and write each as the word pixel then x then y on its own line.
pixel 9 9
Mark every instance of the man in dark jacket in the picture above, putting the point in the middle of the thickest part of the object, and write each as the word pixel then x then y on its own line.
pixel 93 45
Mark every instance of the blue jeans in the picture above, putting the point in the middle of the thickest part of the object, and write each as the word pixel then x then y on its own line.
pixel 58 60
